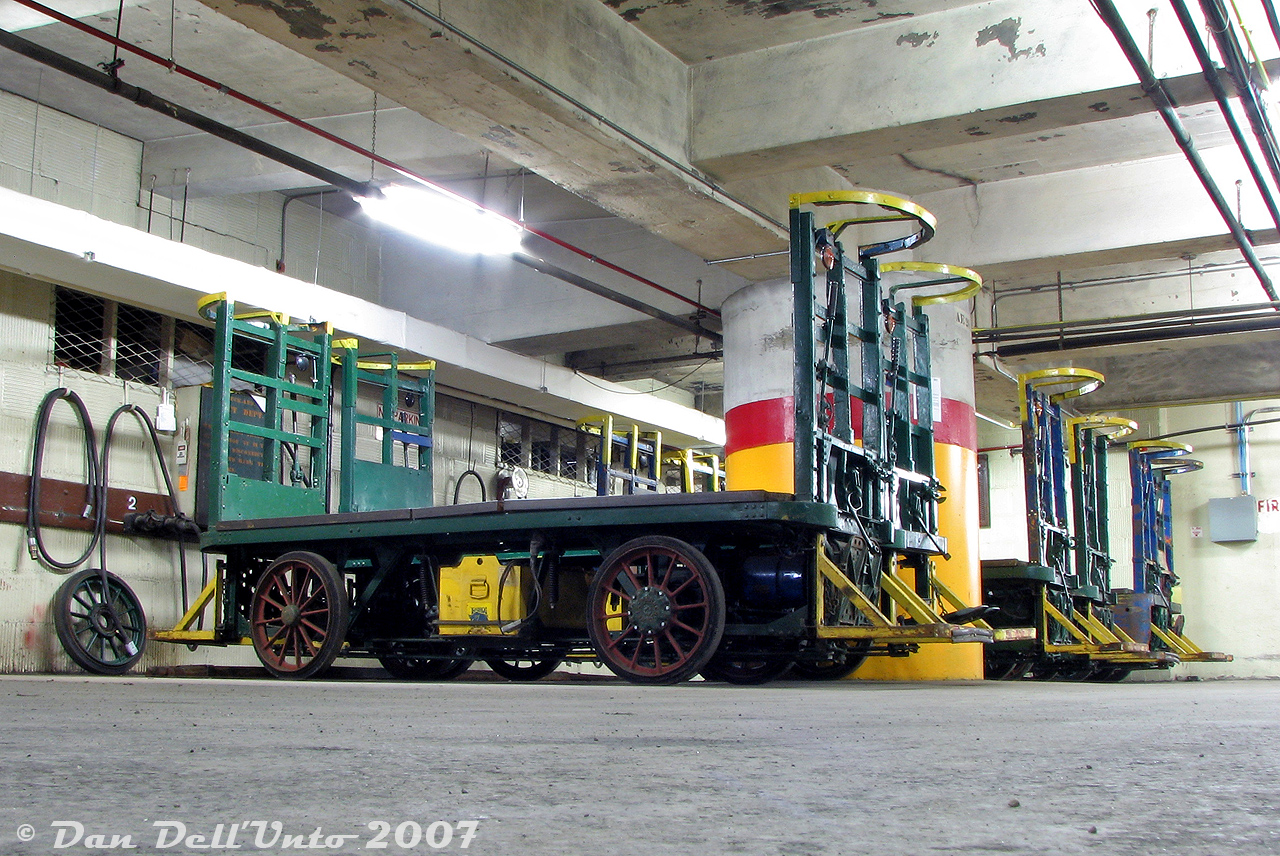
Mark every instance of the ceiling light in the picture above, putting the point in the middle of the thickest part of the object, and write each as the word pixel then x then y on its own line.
pixel 443 219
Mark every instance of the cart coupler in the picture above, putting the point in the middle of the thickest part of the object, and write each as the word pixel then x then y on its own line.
pixel 928 625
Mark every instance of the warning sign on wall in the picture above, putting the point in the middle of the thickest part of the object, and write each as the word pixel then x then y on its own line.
pixel 1269 515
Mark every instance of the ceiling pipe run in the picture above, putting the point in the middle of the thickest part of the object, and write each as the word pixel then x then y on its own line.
pixel 1240 70
pixel 151 101
pixel 174 67
pixel 1228 114
pixel 1133 335
pixel 1160 96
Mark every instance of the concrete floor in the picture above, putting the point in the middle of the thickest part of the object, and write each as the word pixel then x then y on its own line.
pixel 599 767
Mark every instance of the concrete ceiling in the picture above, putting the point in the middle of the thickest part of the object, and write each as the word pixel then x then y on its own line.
pixel 682 124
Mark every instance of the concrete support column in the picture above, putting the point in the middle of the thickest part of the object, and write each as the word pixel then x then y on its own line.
pixel 956 462
pixel 759 388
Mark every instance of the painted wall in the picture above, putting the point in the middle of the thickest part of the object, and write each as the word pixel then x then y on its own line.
pixel 27 639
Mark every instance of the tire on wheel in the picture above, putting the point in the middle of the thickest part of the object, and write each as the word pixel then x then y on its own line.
pixel 102 629
pixel 423 669
pixel 525 668
pixel 837 667
pixel 745 669
pixel 655 610
pixel 299 615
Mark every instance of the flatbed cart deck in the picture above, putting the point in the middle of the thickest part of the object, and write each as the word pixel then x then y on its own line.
pixel 637 581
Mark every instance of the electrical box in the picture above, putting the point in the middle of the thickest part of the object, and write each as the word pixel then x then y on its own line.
pixel 481 595
pixel 1232 519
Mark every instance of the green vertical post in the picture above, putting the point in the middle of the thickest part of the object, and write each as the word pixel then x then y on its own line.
pixel 873 417
pixel 277 354
pixel 390 407
pixel 219 436
pixel 838 331
pixel 923 457
pixel 347 455
pixel 802 249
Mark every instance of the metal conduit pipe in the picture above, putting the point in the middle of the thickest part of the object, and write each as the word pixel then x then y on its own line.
pixel 1160 96
pixel 1245 475
pixel 546 267
pixel 1228 114
pixel 1272 19
pixel 1239 69
pixel 346 144
pixel 144 98
pixel 151 101
pixel 1129 336
pixel 1124 279
pixel 1253 310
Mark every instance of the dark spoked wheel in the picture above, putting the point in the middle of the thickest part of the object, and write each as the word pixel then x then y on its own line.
pixel 655 611
pixel 1076 672
pixel 839 665
pixel 101 628
pixel 1043 671
pixel 299 615
pixel 525 668
pixel 1111 674
pixel 422 669
pixel 747 669
pixel 1003 667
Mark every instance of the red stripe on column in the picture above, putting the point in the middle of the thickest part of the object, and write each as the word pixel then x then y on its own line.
pixel 760 423
pixel 959 425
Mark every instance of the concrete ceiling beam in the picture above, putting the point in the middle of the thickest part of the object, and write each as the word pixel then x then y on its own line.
pixel 599 65
pixel 973 77
pixel 1103 214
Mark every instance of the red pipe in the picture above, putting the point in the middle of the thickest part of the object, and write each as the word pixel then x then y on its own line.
pixel 320 132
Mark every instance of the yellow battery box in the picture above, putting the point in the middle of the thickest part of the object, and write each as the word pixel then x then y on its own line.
pixel 480 595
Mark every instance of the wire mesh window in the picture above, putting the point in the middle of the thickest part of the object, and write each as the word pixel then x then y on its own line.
pixel 113 339
pixel 192 354
pixel 511 435
pixel 79 330
pixel 544 455
pixel 569 448
pixel 140 351
pixel 545 448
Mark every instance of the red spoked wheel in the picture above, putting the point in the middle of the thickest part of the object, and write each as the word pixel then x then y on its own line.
pixel 655 612
pixel 299 615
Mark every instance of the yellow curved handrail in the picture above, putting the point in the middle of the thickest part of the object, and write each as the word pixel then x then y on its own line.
pixel 972 281
pixel 1167 448
pixel 1087 379
pixel 1167 456
pixel 1114 427
pixel 898 209
pixel 204 308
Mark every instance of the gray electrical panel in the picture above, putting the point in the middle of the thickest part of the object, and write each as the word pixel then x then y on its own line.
pixel 1233 518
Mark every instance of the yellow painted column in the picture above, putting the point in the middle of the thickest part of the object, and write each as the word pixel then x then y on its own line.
pixel 957 468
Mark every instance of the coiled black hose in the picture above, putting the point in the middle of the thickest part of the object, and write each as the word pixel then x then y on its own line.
pixel 35 540
pixel 97 483
pixel 179 529
pixel 457 487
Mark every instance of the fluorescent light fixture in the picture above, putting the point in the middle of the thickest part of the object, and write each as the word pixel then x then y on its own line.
pixel 443 219
pixel 995 420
